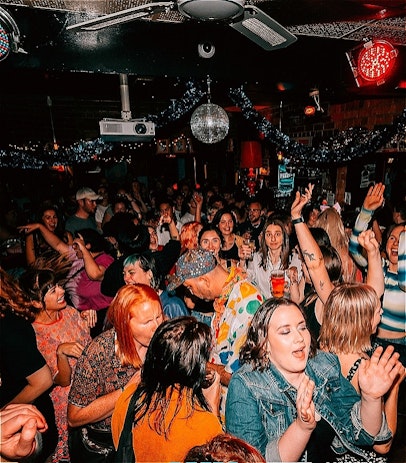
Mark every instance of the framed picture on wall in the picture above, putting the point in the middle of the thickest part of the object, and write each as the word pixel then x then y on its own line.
pixel 179 146
pixel 162 146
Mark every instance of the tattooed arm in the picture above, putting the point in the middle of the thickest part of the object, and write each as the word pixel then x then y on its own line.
pixel 311 252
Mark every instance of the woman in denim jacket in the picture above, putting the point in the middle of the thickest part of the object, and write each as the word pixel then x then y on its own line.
pixel 292 403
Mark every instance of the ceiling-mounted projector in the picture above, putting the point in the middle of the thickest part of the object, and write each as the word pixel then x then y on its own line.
pixel 127 130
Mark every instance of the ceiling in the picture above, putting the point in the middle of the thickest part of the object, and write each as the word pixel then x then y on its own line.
pixel 79 70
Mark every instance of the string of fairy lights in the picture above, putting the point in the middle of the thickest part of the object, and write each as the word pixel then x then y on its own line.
pixel 347 145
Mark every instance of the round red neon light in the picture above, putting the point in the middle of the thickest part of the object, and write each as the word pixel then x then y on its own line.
pixel 376 60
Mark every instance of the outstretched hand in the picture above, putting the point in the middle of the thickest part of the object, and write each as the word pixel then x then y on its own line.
pixel 374 197
pixel 377 374
pixel 28 228
pixel 301 199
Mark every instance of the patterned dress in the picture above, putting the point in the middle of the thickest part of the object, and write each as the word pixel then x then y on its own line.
pixel 69 328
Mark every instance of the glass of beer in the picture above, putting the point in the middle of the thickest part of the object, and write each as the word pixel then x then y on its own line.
pixel 278 283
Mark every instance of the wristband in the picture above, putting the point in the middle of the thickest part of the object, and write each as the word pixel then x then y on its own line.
pixel 298 220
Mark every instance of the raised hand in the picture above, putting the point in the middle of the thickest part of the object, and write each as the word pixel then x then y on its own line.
pixel 28 228
pixel 374 197
pixel 301 199
pixel 377 374
pixel 368 241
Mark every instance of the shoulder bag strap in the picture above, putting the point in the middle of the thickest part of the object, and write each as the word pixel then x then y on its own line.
pixel 125 451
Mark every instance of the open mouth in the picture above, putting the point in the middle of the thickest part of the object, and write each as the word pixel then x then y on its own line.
pixel 300 354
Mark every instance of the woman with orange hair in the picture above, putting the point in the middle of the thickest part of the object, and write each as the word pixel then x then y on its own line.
pixel 189 235
pixel 109 363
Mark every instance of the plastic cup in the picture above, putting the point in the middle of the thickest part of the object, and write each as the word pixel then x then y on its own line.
pixel 278 283
pixel 251 244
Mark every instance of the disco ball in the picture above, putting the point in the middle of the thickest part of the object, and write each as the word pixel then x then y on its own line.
pixel 209 123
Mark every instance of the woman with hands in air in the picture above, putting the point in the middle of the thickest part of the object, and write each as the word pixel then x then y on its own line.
pixel 317 259
pixel 288 399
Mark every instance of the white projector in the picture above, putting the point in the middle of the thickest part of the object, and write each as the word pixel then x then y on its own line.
pixel 127 130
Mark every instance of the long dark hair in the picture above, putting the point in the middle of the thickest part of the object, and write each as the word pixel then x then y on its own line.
pixel 35 283
pixel 263 248
pixel 253 350
pixel 175 362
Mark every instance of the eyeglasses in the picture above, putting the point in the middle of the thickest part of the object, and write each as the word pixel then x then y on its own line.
pixel 254 210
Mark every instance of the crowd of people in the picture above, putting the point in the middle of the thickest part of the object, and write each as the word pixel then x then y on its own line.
pixel 148 328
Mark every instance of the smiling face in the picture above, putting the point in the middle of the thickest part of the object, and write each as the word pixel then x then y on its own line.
pixel 50 219
pixel 134 274
pixel 392 247
pixel 288 342
pixel 226 224
pixel 54 298
pixel 211 241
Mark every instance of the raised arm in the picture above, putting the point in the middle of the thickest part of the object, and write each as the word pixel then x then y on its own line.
pixel 93 269
pixel 311 252
pixel 373 200
pixel 375 276
pixel 53 240
pixel 391 412
pixel 375 379
pixel 199 204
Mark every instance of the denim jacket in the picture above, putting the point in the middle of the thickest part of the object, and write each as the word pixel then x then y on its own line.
pixel 261 406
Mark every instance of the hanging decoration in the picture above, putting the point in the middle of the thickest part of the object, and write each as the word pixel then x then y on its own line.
pixel 209 122
pixel 35 156
pixel 350 144
pixel 179 108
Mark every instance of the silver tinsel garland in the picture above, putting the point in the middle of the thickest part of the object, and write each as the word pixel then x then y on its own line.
pixel 350 144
